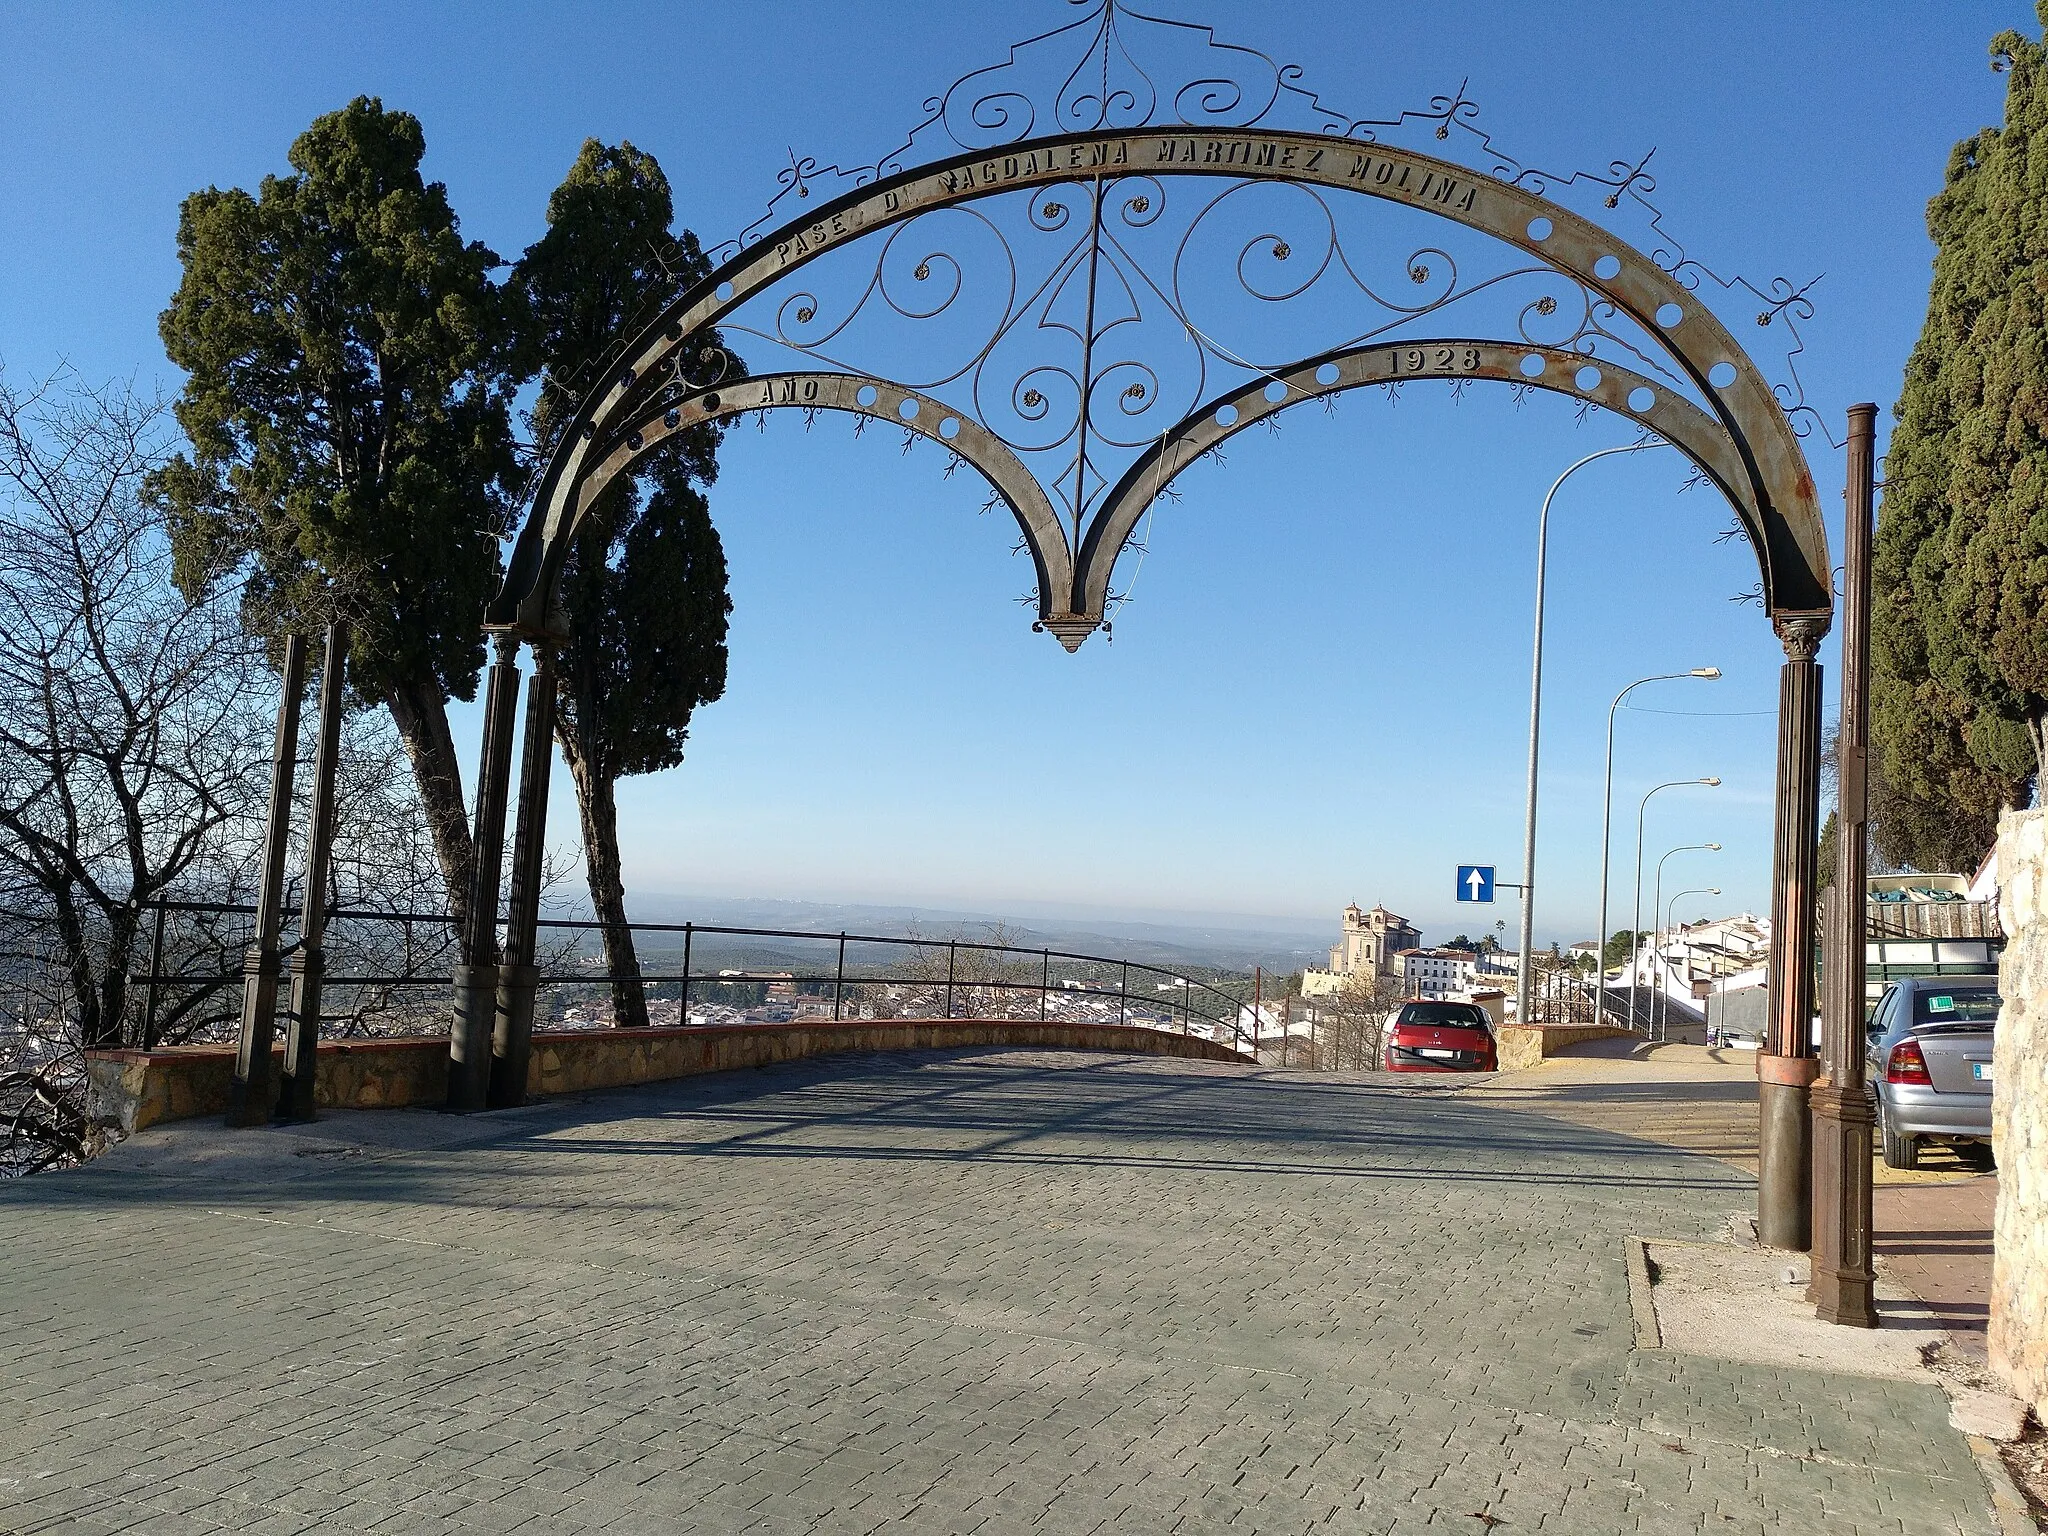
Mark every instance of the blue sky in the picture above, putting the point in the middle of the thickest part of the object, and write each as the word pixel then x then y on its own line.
pixel 1319 692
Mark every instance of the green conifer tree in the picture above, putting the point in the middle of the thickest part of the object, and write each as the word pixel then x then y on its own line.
pixel 644 585
pixel 1959 642
pixel 347 399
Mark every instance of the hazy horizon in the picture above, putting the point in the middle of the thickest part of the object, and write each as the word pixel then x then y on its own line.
pixel 1318 692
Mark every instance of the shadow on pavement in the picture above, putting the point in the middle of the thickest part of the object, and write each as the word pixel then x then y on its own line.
pixel 1000 1106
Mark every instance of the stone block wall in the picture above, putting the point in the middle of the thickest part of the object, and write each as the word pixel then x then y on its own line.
pixel 2019 1267
pixel 1522 1046
pixel 138 1089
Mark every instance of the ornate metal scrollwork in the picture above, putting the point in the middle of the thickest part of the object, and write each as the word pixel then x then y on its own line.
pixel 1115 67
pixel 1078 305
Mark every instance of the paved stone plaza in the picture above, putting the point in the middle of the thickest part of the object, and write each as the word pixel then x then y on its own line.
pixel 988 1292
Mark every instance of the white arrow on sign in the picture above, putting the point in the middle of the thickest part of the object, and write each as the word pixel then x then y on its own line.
pixel 1478 883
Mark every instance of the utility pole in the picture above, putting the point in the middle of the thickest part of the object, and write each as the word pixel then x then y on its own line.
pixel 302 1044
pixel 252 1097
pixel 1258 1002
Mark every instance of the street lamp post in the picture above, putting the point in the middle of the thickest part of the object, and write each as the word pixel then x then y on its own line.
pixel 1670 921
pixel 1607 827
pixel 1843 1280
pixel 1657 900
pixel 1524 961
pixel 1635 910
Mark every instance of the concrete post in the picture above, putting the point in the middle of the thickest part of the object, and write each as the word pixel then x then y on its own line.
pixel 253 1095
pixel 476 978
pixel 512 1029
pixel 1844 1282
pixel 1785 1067
pixel 302 1045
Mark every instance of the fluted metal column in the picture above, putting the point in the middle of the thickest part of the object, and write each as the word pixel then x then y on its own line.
pixel 1786 1067
pixel 253 1095
pixel 1844 1282
pixel 476 978
pixel 302 1045
pixel 518 977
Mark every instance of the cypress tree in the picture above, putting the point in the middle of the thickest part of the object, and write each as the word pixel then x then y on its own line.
pixel 645 582
pixel 348 401
pixel 1960 627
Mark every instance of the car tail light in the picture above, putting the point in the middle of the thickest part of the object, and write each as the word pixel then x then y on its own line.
pixel 1906 1064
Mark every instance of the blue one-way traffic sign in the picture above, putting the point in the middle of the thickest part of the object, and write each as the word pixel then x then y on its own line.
pixel 1475 882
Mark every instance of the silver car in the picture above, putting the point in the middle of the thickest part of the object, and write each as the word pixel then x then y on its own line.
pixel 1929 1063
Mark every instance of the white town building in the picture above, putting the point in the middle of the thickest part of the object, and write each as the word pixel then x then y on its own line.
pixel 1437 972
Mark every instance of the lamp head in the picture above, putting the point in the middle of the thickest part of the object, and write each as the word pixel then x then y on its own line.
pixel 1713 783
pixel 1708 672
pixel 1713 890
pixel 1711 847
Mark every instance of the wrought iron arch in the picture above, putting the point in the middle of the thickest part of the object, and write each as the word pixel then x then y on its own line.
pixel 856 394
pixel 658 363
pixel 1620 390
pixel 1122 131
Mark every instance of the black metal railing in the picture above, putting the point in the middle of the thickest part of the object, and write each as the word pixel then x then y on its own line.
pixel 376 961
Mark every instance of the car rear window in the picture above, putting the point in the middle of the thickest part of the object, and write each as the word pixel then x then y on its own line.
pixel 1445 1015
pixel 1973 1007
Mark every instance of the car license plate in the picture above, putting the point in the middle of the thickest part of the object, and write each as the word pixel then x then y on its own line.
pixel 1981 1071
pixel 1442 1055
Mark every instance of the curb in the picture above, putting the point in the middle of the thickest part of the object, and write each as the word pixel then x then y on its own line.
pixel 2008 1504
pixel 2009 1509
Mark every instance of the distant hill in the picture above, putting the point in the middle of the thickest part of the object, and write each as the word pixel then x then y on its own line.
pixel 1218 945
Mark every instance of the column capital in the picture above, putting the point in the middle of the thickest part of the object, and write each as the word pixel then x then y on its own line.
pixel 509 637
pixel 1801 634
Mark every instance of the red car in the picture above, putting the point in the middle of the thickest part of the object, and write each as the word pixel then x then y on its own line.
pixel 1428 1036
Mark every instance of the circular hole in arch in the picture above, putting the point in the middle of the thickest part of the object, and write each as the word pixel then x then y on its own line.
pixel 672 420
pixel 1539 228
pixel 633 442
pixel 1721 375
pixel 725 290
pixel 711 402
pixel 1226 416
pixel 1607 268
pixel 907 410
pixel 1532 366
pixel 1641 398
pixel 1327 375
pixel 950 428
pixel 1276 392
pixel 1587 378
pixel 1668 315
pixel 867 395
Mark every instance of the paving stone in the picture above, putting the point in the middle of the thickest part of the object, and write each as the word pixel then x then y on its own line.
pixel 991 1292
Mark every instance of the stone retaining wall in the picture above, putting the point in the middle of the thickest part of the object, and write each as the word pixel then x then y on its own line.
pixel 144 1088
pixel 1522 1046
pixel 2019 1113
